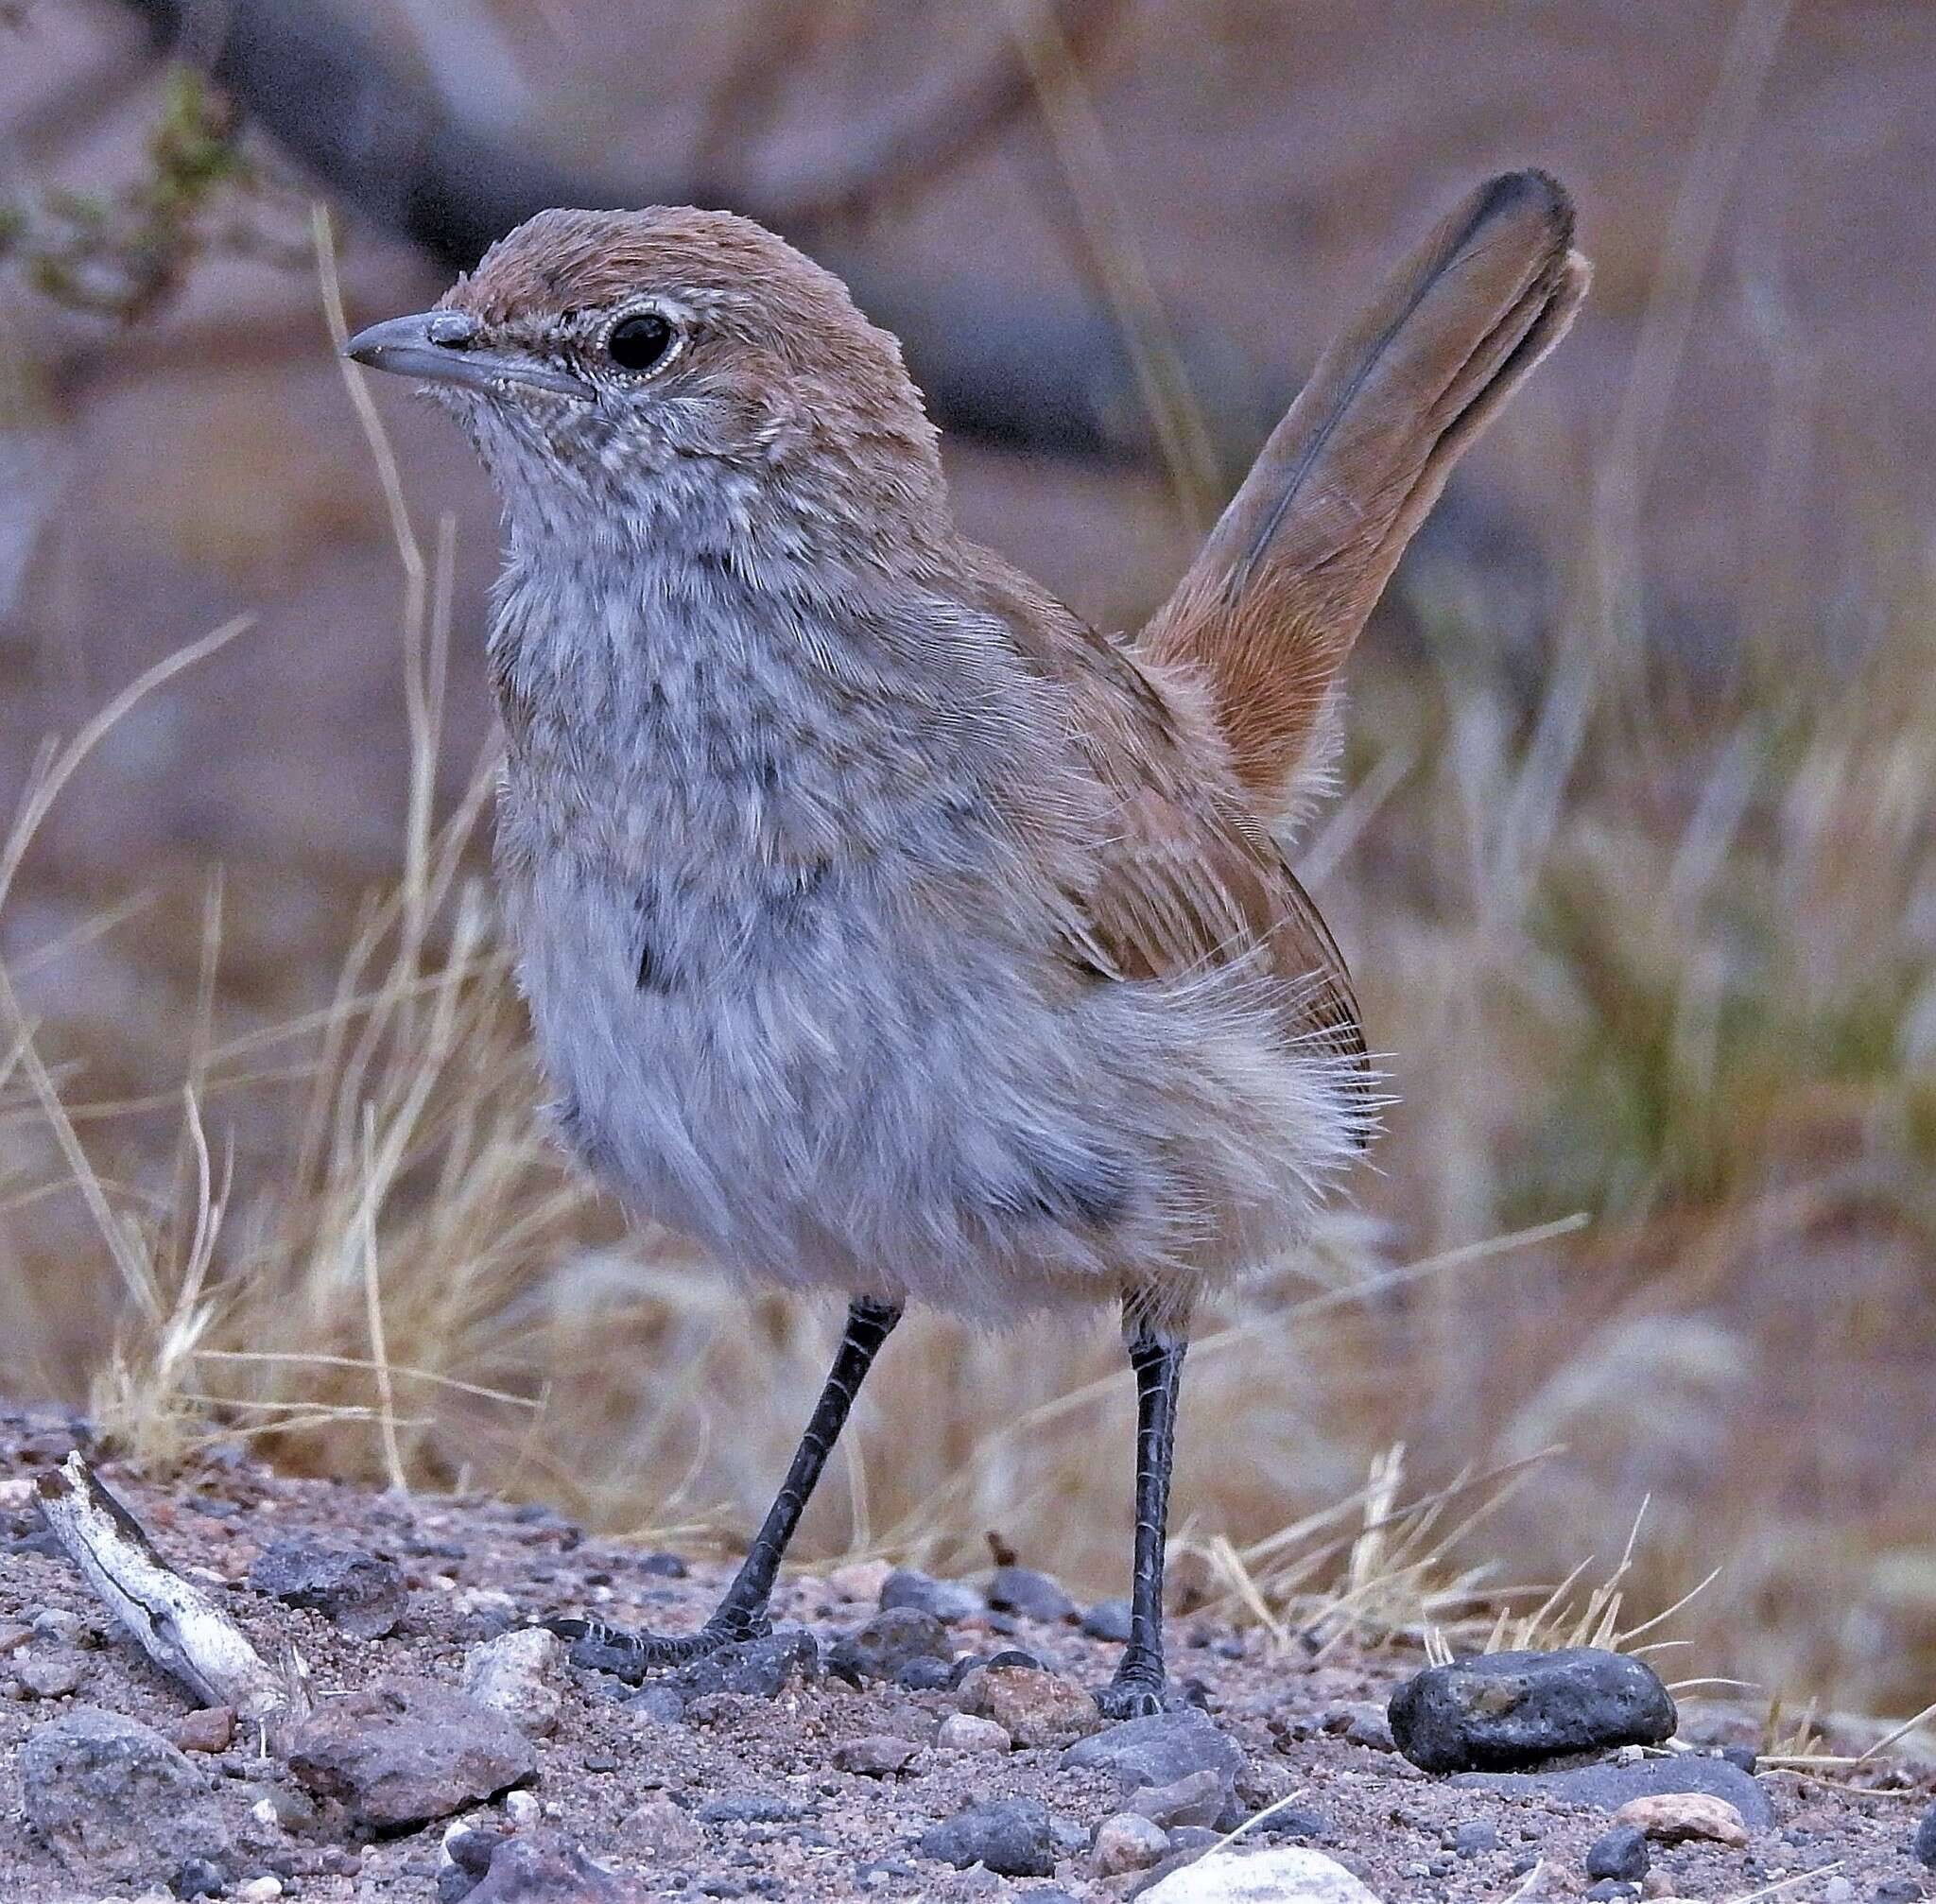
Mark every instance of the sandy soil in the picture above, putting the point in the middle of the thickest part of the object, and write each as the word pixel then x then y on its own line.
pixel 471 1567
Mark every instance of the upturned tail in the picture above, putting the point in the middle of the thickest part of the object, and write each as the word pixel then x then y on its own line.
pixel 1270 607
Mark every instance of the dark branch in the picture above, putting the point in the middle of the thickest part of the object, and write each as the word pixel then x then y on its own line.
pixel 995 361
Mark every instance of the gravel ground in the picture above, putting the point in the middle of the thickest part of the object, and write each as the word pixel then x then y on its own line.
pixel 822 1792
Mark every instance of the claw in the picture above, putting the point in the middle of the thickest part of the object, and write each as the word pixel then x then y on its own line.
pixel 1130 1698
pixel 599 1648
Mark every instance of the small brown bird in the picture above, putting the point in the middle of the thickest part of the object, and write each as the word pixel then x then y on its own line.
pixel 884 926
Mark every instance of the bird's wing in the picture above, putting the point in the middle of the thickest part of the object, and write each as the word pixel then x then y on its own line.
pixel 1171 874
pixel 1184 884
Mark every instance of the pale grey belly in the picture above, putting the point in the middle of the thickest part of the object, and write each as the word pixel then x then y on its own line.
pixel 861 1103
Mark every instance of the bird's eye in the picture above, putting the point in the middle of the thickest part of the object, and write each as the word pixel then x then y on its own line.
pixel 637 342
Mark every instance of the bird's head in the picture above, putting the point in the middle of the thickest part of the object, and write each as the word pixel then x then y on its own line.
pixel 628 362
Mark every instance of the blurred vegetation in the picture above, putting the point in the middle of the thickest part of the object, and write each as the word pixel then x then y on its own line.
pixel 120 253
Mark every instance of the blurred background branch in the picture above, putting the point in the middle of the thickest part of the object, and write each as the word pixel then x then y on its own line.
pixel 1020 367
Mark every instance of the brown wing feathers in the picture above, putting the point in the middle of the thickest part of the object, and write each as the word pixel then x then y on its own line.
pixel 1271 606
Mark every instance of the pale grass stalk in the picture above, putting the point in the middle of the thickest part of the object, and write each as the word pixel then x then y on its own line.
pixel 1107 232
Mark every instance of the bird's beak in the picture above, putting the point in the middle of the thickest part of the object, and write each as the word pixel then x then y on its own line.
pixel 441 347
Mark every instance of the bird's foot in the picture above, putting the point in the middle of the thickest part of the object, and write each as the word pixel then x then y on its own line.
pixel 1132 1695
pixel 628 1655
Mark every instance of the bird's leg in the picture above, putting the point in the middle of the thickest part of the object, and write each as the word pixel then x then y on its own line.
pixel 742 1613
pixel 1156 1355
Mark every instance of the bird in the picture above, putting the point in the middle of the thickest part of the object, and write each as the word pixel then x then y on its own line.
pixel 885 928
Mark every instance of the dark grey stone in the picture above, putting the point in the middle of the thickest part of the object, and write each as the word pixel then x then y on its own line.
pixel 947 1599
pixel 1108 1619
pixel 198 1878
pixel 1925 1839
pixel 1013 1836
pixel 1016 1655
pixel 1475 1838
pixel 50 1675
pixel 882 1646
pixel 115 1802
pixel 1620 1853
pixel 1158 1750
pixel 1607 1786
pixel 664 1566
pixel 1611 1887
pixel 404 1751
pixel 1034 1596
pixel 657 1700
pixel 759 1668
pixel 472 1851
pixel 925 1675
pixel 1506 1711
pixel 1294 1820
pixel 751 1808
pixel 1195 1839
pixel 1198 1799
pixel 361 1593
pixel 542 1868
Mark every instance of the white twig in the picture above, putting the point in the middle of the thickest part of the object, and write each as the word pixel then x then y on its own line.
pixel 177 1625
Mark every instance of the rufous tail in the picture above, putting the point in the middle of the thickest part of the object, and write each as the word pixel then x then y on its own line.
pixel 1270 607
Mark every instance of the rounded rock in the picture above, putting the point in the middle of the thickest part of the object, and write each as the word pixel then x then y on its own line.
pixel 1674 1817
pixel 969 1732
pixel 882 1646
pixel 1035 1707
pixel 1505 1711
pixel 1126 1842
pixel 1013 1836
pixel 1620 1853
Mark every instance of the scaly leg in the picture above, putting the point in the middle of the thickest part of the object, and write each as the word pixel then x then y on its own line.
pixel 1156 1355
pixel 742 1613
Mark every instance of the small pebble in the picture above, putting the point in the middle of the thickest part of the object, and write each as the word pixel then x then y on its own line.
pixel 1674 1817
pixel 58 1624
pixel 1127 1843
pixel 1011 1836
pixel 207 1728
pixel 1108 1619
pixel 966 1732
pixel 875 1757
pixel 860 1580
pixel 1925 1839
pixel 924 1675
pixel 1620 1853
pixel 262 1888
pixel 947 1599
pixel 663 1828
pixel 523 1809
pixel 1474 1837
pixel 520 1674
pixel 1035 1707
pixel 1034 1596
pixel 51 1675
pixel 198 1878
pixel 1199 1798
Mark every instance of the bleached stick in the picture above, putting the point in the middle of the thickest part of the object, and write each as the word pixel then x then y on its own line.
pixel 178 1625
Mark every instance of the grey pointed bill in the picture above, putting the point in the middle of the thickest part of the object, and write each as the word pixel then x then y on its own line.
pixel 441 347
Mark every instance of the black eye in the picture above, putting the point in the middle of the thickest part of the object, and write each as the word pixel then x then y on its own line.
pixel 636 343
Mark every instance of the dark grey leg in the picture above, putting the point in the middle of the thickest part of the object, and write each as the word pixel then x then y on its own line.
pixel 742 1613
pixel 1157 1356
